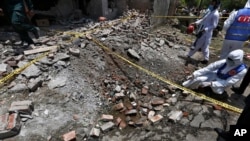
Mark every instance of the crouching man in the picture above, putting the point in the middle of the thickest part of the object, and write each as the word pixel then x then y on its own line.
pixel 219 75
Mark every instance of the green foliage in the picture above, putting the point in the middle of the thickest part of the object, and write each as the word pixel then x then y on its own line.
pixel 226 4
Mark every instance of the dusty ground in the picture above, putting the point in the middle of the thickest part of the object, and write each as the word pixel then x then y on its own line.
pixel 79 104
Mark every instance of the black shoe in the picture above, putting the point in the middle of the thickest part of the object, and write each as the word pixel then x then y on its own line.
pixel 221 97
pixel 204 62
pixel 236 90
pixel 36 32
pixel 224 134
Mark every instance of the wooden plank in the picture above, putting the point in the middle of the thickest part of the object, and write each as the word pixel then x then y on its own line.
pixel 38 50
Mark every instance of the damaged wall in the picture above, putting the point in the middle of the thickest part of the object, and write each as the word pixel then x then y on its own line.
pixel 141 5
pixel 162 8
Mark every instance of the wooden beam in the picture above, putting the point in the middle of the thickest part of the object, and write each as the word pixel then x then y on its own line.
pixel 38 50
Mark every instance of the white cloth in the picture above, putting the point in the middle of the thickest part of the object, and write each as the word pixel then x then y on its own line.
pixel 209 23
pixel 230 45
pixel 209 74
pixel 247 4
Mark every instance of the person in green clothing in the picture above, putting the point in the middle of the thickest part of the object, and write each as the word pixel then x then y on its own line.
pixel 19 12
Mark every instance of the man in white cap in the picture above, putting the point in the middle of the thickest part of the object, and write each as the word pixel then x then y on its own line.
pixel 219 75
pixel 237 28
pixel 206 26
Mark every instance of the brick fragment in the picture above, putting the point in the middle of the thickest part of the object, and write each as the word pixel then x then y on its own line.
pixel 107 117
pixel 69 136
pixel 156 118
pixel 118 106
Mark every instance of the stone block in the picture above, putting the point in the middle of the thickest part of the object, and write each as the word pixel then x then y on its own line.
pixel 95 132
pixel 107 126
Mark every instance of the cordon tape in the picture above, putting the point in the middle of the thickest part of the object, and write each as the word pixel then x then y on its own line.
pixel 202 96
pixel 225 105
pixel 19 70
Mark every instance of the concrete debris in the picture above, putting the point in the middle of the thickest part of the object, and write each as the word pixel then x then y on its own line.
pixel 64 85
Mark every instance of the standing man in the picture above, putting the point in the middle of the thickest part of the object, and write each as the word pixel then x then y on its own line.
pixel 207 24
pixel 237 30
pixel 19 12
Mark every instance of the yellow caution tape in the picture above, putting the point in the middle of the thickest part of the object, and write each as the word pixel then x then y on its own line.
pixel 183 17
pixel 225 105
pixel 19 70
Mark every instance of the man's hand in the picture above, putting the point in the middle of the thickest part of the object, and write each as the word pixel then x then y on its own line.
pixel 206 84
pixel 190 77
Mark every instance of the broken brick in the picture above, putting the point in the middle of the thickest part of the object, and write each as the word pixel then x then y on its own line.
pixel 118 106
pixel 122 124
pixel 69 136
pixel 118 121
pixel 9 125
pixel 144 90
pixel 157 101
pixel 131 112
pixel 107 117
pixel 22 107
pixel 217 107
pixel 156 118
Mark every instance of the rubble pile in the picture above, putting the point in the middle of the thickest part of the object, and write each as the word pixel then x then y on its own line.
pixel 128 100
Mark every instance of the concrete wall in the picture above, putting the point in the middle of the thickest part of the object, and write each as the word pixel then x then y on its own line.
pixel 161 8
pixel 97 8
pixel 141 5
pixel 64 8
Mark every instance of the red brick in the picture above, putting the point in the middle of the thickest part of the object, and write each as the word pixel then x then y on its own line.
pixel 185 114
pixel 156 118
pixel 118 121
pixel 157 101
pixel 144 90
pixel 11 121
pixel 69 136
pixel 118 106
pixel 107 117
pixel 123 124
pixel 217 107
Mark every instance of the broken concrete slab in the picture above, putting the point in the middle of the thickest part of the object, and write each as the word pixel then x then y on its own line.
pixel 31 71
pixel 132 53
pixel 95 132
pixel 19 88
pixel 57 82
pixel 107 126
pixel 175 115
pixel 74 51
pixel 34 84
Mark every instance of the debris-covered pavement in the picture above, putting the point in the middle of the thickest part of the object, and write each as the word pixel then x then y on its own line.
pixel 81 90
